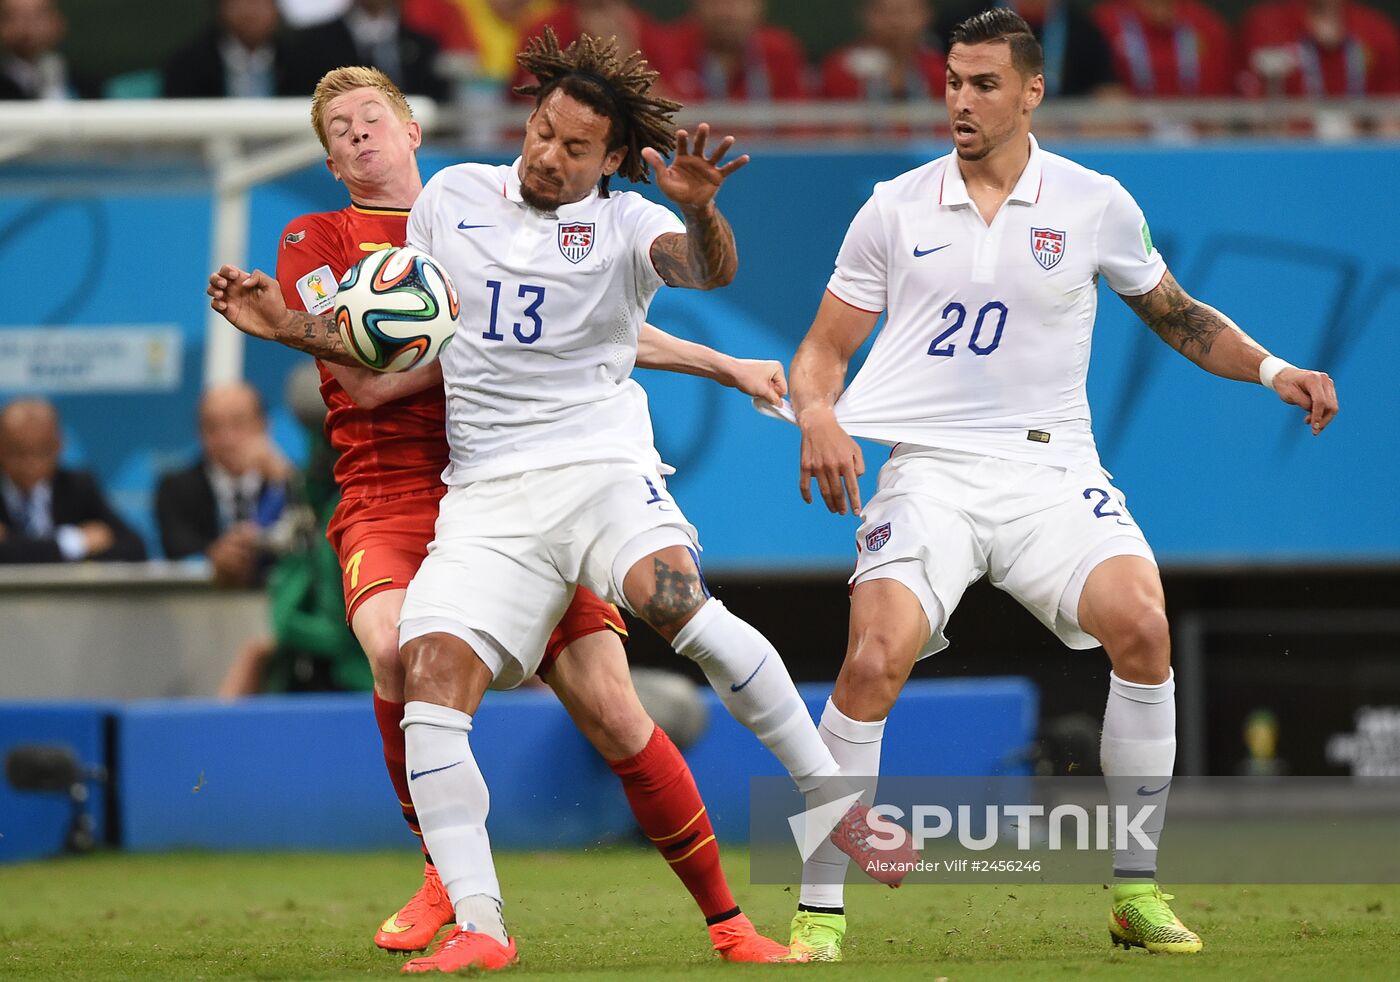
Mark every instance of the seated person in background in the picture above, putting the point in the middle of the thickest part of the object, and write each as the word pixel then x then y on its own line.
pixel 1319 49
pixel 237 57
pixel 1169 48
pixel 724 50
pixel 311 648
pixel 31 67
pixel 370 33
pixel 49 514
pixel 219 505
pixel 892 62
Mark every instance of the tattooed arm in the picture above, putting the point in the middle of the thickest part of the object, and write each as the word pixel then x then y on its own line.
pixel 252 302
pixel 1215 343
pixel 703 258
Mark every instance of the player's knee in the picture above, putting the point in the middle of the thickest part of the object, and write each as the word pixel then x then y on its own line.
pixel 1139 645
pixel 618 730
pixel 875 669
pixel 384 662
pixel 431 663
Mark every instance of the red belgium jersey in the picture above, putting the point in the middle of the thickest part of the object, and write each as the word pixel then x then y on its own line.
pixel 400 447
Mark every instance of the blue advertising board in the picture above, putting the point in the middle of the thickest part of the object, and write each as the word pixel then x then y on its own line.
pixel 1213 470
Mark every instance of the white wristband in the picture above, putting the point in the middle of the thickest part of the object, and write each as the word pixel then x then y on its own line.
pixel 1269 368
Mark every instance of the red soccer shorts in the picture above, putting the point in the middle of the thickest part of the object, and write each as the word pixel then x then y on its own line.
pixel 381 542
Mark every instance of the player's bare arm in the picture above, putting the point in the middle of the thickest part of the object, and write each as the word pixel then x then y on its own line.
pixel 762 379
pixel 252 302
pixel 818 376
pixel 370 389
pixel 1215 343
pixel 706 256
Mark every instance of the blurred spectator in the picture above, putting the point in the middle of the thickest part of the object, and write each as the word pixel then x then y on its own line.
pixel 220 505
pixel 490 30
pixel 239 56
pixel 893 61
pixel 1319 49
pixel 1078 60
pixel 312 648
pixel 370 33
pixel 49 514
pixel 1164 48
pixel 31 66
pixel 634 30
pixel 724 50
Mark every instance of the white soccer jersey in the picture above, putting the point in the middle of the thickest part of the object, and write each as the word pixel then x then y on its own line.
pixel 538 374
pixel 986 345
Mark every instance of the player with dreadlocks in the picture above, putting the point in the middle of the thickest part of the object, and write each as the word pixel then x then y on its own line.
pixel 553 479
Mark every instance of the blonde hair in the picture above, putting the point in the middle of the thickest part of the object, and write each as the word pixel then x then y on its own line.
pixel 339 81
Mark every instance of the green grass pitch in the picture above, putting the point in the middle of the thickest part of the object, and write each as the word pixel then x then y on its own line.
pixel 619 914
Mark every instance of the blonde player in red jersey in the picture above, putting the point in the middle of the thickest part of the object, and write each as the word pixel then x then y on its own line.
pixel 389 430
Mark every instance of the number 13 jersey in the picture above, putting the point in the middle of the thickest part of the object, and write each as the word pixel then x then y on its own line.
pixel 986 345
pixel 539 372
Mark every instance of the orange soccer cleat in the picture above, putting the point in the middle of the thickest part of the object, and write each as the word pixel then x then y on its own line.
pixel 737 940
pixel 418 921
pixel 886 863
pixel 463 949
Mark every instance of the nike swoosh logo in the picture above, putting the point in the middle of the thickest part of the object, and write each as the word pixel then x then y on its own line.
pixel 464 226
pixel 415 775
pixel 736 688
pixel 920 253
pixel 1146 794
pixel 392 926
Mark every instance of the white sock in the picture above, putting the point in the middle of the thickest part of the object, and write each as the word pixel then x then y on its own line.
pixel 1138 754
pixel 754 685
pixel 450 797
pixel 856 747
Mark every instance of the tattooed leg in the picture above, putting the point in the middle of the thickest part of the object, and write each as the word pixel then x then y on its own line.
pixel 666 590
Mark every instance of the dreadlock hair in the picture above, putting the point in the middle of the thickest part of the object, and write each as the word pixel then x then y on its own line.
pixel 999 24
pixel 591 71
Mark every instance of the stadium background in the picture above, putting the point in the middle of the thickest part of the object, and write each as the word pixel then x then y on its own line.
pixel 1281 554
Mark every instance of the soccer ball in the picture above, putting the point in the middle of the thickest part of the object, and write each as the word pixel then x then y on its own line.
pixel 396 309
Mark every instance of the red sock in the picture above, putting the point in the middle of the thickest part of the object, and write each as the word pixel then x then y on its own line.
pixel 668 807
pixel 389 715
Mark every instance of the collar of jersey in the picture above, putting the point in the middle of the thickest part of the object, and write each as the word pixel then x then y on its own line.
pixel 366 210
pixel 953 189
pixel 512 193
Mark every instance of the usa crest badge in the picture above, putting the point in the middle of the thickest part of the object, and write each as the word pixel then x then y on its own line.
pixel 1048 246
pixel 876 538
pixel 575 240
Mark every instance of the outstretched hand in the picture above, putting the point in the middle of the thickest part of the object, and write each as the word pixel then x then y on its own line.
pixel 1312 391
pixel 251 302
pixel 692 179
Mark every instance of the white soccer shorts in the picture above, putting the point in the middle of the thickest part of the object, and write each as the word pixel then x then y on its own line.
pixel 942 519
pixel 506 554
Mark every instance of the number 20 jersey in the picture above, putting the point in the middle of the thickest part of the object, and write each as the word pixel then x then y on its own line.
pixel 986 346
pixel 539 372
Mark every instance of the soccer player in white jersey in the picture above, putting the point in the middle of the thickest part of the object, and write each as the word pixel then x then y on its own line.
pixel 986 262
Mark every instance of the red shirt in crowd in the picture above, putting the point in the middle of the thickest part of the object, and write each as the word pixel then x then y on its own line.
pixel 402 446
pixel 857 72
pixel 774 67
pixel 1277 40
pixel 1191 54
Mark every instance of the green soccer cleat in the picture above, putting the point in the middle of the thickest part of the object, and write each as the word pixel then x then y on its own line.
pixel 1142 919
pixel 817 936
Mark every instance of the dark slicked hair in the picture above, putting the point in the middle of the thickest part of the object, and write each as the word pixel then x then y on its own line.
pixel 1002 25
pixel 619 89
